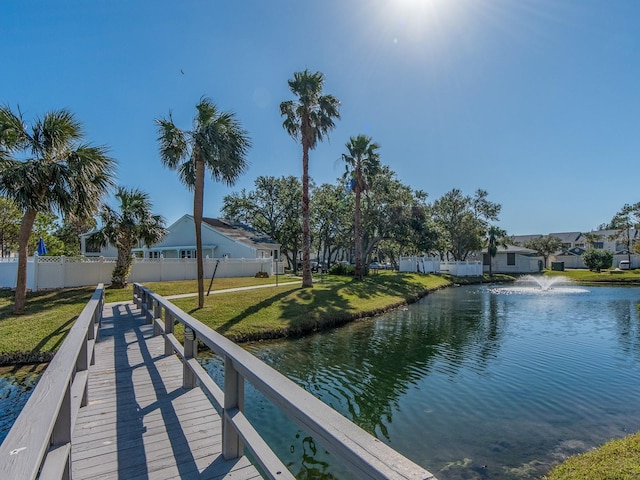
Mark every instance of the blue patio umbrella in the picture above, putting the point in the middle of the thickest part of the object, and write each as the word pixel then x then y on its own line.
pixel 42 248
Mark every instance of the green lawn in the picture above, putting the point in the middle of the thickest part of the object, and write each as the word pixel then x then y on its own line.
pixel 616 460
pixel 266 312
pixel 292 310
pixel 606 276
pixel 48 317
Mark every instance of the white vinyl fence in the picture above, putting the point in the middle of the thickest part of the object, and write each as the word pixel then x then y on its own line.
pixel 462 269
pixel 419 264
pixel 434 265
pixel 60 272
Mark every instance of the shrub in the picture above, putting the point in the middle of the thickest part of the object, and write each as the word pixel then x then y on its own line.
pixel 597 259
pixel 342 269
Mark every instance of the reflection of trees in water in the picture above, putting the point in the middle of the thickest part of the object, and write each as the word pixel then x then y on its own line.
pixel 627 318
pixel 311 467
pixel 362 370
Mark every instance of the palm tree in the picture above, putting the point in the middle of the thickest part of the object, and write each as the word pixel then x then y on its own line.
pixel 125 228
pixel 217 143
pixel 363 163
pixel 309 120
pixel 496 237
pixel 46 169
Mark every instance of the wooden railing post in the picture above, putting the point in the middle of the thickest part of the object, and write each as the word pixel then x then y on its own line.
pixel 190 351
pixel 157 314
pixel 232 446
pixel 62 430
pixel 168 329
pixel 82 364
pixel 149 309
pixel 136 293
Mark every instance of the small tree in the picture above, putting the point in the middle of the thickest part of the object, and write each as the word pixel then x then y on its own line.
pixel 363 163
pixel 623 221
pixel 545 246
pixel 134 222
pixel 596 259
pixel 496 237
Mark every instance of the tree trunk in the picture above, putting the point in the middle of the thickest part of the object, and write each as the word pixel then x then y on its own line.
pixel 122 269
pixel 23 242
pixel 198 200
pixel 356 228
pixel 307 280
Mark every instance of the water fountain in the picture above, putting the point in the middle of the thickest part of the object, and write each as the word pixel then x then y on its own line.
pixel 539 285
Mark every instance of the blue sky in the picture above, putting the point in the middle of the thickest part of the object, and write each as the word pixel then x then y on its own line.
pixel 537 102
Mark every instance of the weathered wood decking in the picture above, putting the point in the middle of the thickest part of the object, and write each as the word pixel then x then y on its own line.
pixel 140 423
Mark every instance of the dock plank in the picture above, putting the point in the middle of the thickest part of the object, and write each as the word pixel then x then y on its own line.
pixel 139 422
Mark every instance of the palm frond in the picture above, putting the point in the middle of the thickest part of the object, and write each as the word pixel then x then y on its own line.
pixel 174 147
pixel 13 132
pixel 55 134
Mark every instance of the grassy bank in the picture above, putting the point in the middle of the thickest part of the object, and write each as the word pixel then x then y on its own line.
pixel 249 314
pixel 621 277
pixel 292 310
pixel 615 460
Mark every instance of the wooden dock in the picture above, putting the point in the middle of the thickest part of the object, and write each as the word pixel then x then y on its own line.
pixel 139 422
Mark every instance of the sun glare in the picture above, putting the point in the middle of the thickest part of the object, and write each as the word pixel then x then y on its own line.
pixel 414 21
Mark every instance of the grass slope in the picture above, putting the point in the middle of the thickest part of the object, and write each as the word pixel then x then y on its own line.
pixel 250 314
pixel 615 460
pixel 292 310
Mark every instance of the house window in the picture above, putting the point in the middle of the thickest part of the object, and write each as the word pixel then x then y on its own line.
pixel 88 248
pixel 486 259
pixel 188 254
pixel 511 258
pixel 598 245
pixel 154 254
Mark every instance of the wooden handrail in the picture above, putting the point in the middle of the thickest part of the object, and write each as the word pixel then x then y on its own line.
pixel 365 455
pixel 39 443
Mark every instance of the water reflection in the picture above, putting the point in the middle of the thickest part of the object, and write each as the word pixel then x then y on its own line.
pixel 470 384
pixel 16 385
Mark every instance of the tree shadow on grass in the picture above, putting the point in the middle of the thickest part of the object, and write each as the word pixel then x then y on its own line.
pixel 60 332
pixel 252 310
pixel 38 302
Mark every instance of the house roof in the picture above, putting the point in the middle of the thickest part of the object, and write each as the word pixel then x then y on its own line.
pixel 567 237
pixel 522 239
pixel 241 233
pixel 514 249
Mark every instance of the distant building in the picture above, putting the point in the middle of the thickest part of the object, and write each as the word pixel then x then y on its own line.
pixel 220 238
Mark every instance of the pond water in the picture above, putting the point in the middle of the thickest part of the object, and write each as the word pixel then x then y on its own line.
pixel 471 382
pixel 15 387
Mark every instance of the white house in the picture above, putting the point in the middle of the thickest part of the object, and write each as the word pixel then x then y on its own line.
pixel 220 239
pixel 512 259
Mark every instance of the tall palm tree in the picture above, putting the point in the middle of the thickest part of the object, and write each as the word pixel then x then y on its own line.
pixel 496 237
pixel 309 120
pixel 217 143
pixel 123 229
pixel 47 169
pixel 363 163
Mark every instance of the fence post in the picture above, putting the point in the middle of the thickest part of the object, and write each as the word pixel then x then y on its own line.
pixel 233 398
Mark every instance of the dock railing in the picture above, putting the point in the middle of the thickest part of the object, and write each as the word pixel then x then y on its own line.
pixel 366 456
pixel 39 443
